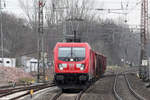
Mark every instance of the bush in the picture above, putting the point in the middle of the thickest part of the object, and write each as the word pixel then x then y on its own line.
pixel 26 80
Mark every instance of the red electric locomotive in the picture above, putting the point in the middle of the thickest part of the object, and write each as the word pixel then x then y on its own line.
pixel 76 64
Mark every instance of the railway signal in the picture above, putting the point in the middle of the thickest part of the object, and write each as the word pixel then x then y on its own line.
pixel 144 38
pixel 31 93
pixel 41 5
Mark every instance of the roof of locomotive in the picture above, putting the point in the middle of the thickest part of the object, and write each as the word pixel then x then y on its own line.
pixel 63 44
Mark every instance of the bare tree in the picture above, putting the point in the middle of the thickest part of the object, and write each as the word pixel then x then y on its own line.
pixel 30 8
pixel 106 36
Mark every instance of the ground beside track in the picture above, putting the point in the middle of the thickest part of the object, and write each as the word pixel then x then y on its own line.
pixel 101 90
pixel 45 94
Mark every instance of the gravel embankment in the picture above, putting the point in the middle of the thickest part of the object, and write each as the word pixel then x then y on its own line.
pixel 101 90
pixel 9 74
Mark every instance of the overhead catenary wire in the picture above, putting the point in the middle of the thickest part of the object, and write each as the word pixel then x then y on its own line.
pixel 122 8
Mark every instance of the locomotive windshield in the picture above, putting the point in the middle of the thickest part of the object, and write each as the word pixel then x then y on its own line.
pixel 64 52
pixel 75 53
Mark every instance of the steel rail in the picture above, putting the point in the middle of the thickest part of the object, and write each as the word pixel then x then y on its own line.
pixel 35 88
pixel 114 88
pixel 139 97
pixel 78 97
pixel 57 95
pixel 5 92
pixel 135 94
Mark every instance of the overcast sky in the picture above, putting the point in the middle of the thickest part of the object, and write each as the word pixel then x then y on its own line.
pixel 133 11
pixel 132 6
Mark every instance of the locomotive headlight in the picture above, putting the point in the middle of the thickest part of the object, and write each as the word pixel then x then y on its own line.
pixel 62 66
pixel 81 66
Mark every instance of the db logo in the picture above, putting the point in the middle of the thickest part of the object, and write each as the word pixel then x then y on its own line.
pixel 71 65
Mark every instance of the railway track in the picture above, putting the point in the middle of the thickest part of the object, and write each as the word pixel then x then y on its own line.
pixel 60 95
pixel 21 91
pixel 13 85
pixel 76 96
pixel 129 90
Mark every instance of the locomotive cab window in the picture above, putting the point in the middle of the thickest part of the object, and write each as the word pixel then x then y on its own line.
pixel 71 53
